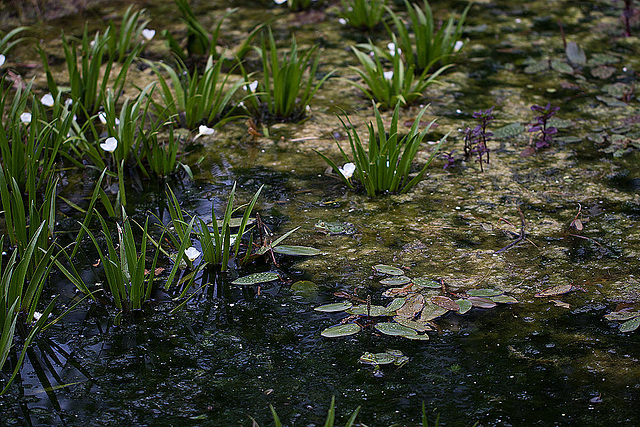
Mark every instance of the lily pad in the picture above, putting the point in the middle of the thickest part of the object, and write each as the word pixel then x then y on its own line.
pixel 426 282
pixel 396 280
pixel 341 330
pixel 395 329
pixel 387 269
pixel 485 293
pixel 236 222
pixel 630 325
pixel 374 310
pixel 256 278
pixel 418 337
pixel 335 307
pixel 481 302
pixel 464 305
pixel 603 72
pixel 504 299
pixel 511 130
pixel 537 67
pixel 296 250
pixel 413 305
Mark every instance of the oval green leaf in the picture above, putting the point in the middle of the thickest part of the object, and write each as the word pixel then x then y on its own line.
pixel 256 278
pixel 335 307
pixel 432 311
pixel 484 293
pixel 630 325
pixel 394 329
pixel 504 299
pixel 296 250
pixel 374 310
pixel 395 304
pixel 465 305
pixel 341 330
pixel 396 280
pixel 387 269
pixel 481 302
pixel 622 316
pixel 417 337
pixel 426 282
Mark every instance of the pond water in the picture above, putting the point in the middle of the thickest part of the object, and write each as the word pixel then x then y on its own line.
pixel 232 351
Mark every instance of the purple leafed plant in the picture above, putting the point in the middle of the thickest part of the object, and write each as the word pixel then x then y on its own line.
pixel 545 132
pixel 475 140
pixel 449 160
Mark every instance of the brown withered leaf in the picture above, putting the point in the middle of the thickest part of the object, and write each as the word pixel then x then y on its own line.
pixel 412 306
pixel 481 302
pixel 554 291
pixel 559 303
pixel 445 302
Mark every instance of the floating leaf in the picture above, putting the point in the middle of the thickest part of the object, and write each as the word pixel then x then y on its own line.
pixel 296 250
pixel 396 280
pixel 418 337
pixel 235 222
pixel 610 101
pixel 432 311
pixel 392 292
pixel 425 282
pixel 554 291
pixel 304 287
pixel 561 66
pixel 374 310
pixel 514 129
pixel 395 304
pixel 559 303
pixel 335 307
pixel 537 67
pixel 464 305
pixel 504 299
pixel 341 330
pixel 481 302
pixel 622 316
pixel 603 72
pixel 603 59
pixel 387 269
pixel 395 329
pixel 630 325
pixel 485 293
pixel 416 325
pixel 413 305
pixel 575 54
pixel 256 278
pixel 445 302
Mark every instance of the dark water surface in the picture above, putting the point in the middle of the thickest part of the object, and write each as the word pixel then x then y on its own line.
pixel 232 351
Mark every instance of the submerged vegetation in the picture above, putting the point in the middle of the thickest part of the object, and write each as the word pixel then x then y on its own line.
pixel 132 193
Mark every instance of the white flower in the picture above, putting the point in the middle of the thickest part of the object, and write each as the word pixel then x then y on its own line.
pixel 280 1
pixel 110 144
pixel 388 75
pixel 117 121
pixel 192 253
pixel 251 87
pixel 103 117
pixel 392 49
pixel 347 170
pixel 458 45
pixel 47 100
pixel 68 102
pixel 2 59
pixel 25 118
pixel 148 34
pixel 204 130
pixel 36 316
pixel 342 21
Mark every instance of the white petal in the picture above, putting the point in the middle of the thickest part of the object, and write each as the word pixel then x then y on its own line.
pixel 25 118
pixel 2 59
pixel 148 34
pixel 347 170
pixel 192 253
pixel 36 316
pixel 204 130
pixel 392 49
pixel 47 100
pixel 110 144
pixel 458 45
pixel 117 121
pixel 103 117
pixel 251 87
pixel 280 1
pixel 342 21
pixel 388 75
